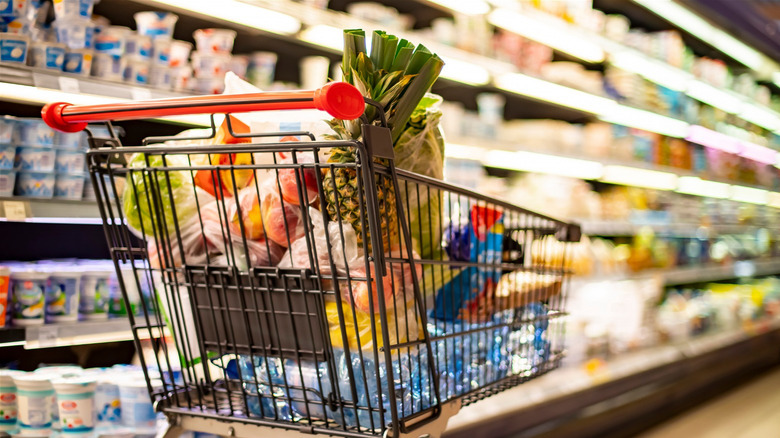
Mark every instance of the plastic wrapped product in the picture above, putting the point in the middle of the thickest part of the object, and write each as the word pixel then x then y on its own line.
pixel 397 285
pixel 224 183
pixel 402 323
pixel 282 221
pixel 290 180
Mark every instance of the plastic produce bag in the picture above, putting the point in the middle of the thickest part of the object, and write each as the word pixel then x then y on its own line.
pixel 264 214
pixel 167 252
pixel 402 325
pixel 397 284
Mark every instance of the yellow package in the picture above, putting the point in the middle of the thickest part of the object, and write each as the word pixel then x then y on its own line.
pixel 402 326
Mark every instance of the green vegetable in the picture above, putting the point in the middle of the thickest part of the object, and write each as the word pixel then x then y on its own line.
pixel 158 198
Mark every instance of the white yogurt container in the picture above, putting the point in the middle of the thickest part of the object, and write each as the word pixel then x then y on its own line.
pixel 7 155
pixel 93 300
pixel 69 186
pixel 13 47
pixel 209 85
pixel 69 160
pixel 108 408
pixel 112 40
pixel 62 296
pixel 109 67
pixel 155 24
pixel 239 65
pixel 160 77
pixel 32 132
pixel 76 404
pixel 35 395
pixel 210 65
pixel 73 9
pixel 181 78
pixel 139 46
pixel 7 128
pixel 75 33
pixel 8 400
pixel 137 409
pixel 180 53
pixel 13 8
pixel 34 184
pixel 214 40
pixel 35 158
pixel 28 297
pixel 72 141
pixel 137 71
pixel 78 61
pixel 47 55
pixel 7 182
pixel 161 51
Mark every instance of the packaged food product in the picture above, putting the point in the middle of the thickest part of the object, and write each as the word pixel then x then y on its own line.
pixel 181 78
pixel 76 34
pixel 161 51
pixel 214 40
pixel 155 24
pixel 5 280
pixel 112 40
pixel 180 53
pixel 13 48
pixel 138 46
pixel 69 160
pixel 35 398
pixel 76 404
pixel 78 61
pixel 62 296
pixel 69 185
pixel 13 8
pixel 7 155
pixel 67 9
pixel 7 182
pixel 210 65
pixel 107 404
pixel 209 85
pixel 47 55
pixel 34 184
pixel 32 132
pixel 71 141
pixel 8 397
pixel 35 158
pixel 7 127
pixel 116 301
pixel 16 26
pixel 137 71
pixel 137 410
pixel 93 296
pixel 160 77
pixel 239 64
pixel 402 326
pixel 28 295
pixel 261 69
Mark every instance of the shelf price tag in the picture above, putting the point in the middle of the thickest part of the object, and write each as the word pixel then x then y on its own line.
pixel 744 268
pixel 140 93
pixel 48 336
pixel 69 85
pixel 15 211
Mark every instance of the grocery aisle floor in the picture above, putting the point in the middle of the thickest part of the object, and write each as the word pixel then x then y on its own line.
pixel 748 411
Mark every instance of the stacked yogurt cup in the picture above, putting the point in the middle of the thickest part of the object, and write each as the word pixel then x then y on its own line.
pixel 34 159
pixel 165 63
pixel 7 155
pixel 213 59
pixel 75 30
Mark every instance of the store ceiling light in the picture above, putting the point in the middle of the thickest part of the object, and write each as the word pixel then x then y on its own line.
pixel 554 93
pixel 760 116
pixel 636 177
pixel 239 12
pixel 759 153
pixel 324 36
pixel 715 97
pixel 701 29
pixel 691 185
pixel 773 199
pixel 548 33
pixel 467 7
pixel 543 163
pixel 652 70
pixel 646 120
pixel 749 195
pixel 464 72
pixel 464 152
pixel 713 139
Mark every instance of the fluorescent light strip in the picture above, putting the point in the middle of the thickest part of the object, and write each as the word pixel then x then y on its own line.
pixel 715 97
pixel 63 220
pixel 713 139
pixel 646 120
pixel 631 176
pixel 546 32
pixel 760 116
pixel 749 195
pixel 773 200
pixel 554 93
pixel 652 70
pixel 701 29
pixel 466 7
pixel 691 185
pixel 543 163
pixel 464 72
pixel 324 36
pixel 241 13
pixel 758 153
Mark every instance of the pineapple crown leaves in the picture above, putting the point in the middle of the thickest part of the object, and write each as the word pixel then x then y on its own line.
pixel 396 74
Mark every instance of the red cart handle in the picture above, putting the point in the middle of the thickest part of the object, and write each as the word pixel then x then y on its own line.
pixel 340 99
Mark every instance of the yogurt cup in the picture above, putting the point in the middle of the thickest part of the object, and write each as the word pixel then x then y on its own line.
pixel 155 24
pixel 7 182
pixel 117 305
pixel 262 66
pixel 137 410
pixel 93 300
pixel 108 408
pixel 7 154
pixel 137 45
pixel 76 404
pixel 35 395
pixel 73 9
pixel 47 55
pixel 181 78
pixel 214 40
pixel 71 141
pixel 28 294
pixel 5 280
pixel 69 160
pixel 210 65
pixel 13 48
pixel 180 53
pixel 37 158
pixel 69 186
pixel 160 77
pixel 32 132
pixel 161 51
pixel 7 127
pixel 8 400
pixel 78 61
pixel 13 8
pixel 62 296
pixel 239 65
pixel 137 71
pixel 112 40
pixel 107 66
pixel 209 85
pixel 34 184
pixel 17 26
pixel 75 34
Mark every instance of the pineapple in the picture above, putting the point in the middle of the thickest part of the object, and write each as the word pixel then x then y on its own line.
pixel 396 75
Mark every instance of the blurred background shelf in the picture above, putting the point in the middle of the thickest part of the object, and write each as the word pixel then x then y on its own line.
pixel 20 209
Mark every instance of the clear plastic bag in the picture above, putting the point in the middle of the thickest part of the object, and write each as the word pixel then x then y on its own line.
pixel 397 284
pixel 402 320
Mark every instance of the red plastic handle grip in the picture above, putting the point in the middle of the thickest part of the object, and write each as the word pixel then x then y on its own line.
pixel 340 99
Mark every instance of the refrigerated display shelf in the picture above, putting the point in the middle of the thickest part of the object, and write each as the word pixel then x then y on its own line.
pixel 20 209
pixel 67 334
pixel 611 228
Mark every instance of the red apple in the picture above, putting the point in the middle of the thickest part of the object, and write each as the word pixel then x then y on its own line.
pixel 283 221
pixel 290 178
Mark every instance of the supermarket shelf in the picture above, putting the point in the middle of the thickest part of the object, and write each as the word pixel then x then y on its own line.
pixel 564 393
pixel 739 269
pixel 61 335
pixel 627 228
pixel 18 209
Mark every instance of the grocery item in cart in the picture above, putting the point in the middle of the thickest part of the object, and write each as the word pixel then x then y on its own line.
pixel 223 182
pixel 264 213
pixel 358 326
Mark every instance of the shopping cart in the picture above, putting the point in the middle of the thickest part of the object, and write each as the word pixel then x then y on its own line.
pixel 311 294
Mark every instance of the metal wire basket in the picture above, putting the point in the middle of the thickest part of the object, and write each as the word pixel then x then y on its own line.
pixel 340 297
